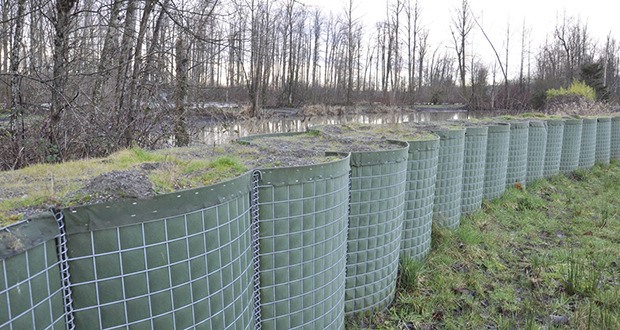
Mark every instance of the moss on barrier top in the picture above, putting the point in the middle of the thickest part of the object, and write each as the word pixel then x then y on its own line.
pixel 132 174
pixel 400 132
pixel 24 235
pixel 316 143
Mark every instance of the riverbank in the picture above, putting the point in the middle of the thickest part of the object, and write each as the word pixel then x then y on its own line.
pixel 545 257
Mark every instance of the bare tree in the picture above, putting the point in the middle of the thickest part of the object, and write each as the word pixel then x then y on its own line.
pixel 461 27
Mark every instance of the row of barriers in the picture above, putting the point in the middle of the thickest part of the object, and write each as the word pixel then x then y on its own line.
pixel 297 247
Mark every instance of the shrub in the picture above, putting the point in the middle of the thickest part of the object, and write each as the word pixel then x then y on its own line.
pixel 576 89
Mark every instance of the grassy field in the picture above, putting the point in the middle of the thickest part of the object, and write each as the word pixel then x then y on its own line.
pixel 543 257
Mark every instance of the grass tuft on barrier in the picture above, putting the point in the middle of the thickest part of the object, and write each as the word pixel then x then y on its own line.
pixel 547 256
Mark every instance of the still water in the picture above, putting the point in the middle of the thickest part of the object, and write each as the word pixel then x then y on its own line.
pixel 217 132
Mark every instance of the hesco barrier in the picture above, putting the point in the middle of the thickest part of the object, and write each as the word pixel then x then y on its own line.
pixel 553 150
pixel 420 193
pixel 603 140
pixel 303 236
pixel 536 148
pixel 588 143
pixel 517 153
pixel 175 261
pixel 614 147
pixel 571 145
pixel 378 182
pixel 474 160
pixel 31 290
pixel 449 186
pixel 496 160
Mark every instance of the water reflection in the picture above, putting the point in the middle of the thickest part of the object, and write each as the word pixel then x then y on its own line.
pixel 216 133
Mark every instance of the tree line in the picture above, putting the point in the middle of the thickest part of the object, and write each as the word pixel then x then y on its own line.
pixel 84 78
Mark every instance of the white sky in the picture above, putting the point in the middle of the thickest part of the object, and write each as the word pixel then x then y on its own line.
pixel 540 17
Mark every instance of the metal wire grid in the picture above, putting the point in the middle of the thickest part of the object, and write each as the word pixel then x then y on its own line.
pixel 182 272
pixel 420 193
pixel 375 227
pixel 31 294
pixel 536 148
pixel 553 150
pixel 571 145
pixel 473 169
pixel 614 146
pixel 496 164
pixel 303 253
pixel 517 154
pixel 603 140
pixel 255 227
pixel 449 185
pixel 588 143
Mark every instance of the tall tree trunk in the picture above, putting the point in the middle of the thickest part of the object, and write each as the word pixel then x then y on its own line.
pixel 126 55
pixel 181 135
pixel 60 101
pixel 105 65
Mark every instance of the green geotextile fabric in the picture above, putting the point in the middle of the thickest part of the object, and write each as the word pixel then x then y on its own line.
pixel 603 140
pixel 536 147
pixel 517 153
pixel 31 294
pixel 419 196
pixel 571 145
pixel 588 143
pixel 474 160
pixel 496 163
pixel 378 182
pixel 187 265
pixel 553 151
pixel 449 186
pixel 303 241
pixel 614 146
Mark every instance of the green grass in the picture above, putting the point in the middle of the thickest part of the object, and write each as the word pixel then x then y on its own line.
pixel 543 258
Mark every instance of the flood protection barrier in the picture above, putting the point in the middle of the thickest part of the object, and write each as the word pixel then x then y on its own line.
pixel 614 147
pixel 553 150
pixel 474 159
pixel 517 153
pixel 419 196
pixel 588 143
pixel 378 182
pixel 603 140
pixel 496 164
pixel 536 149
pixel 295 247
pixel 449 184
pixel 571 145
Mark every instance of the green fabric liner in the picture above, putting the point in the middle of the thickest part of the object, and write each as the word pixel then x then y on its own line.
pixel 519 124
pixel 589 120
pixel 498 128
pixel 24 235
pixel 450 134
pixel 537 123
pixel 554 122
pixel 368 158
pixel 127 212
pixel 604 119
pixel 285 176
pixel 476 131
pixel 573 122
pixel 423 145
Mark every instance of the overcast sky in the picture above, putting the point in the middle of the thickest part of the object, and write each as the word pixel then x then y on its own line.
pixel 540 17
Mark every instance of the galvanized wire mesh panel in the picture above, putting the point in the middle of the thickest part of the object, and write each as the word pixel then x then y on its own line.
pixel 536 148
pixel 553 150
pixel 614 146
pixel 496 163
pixel 31 294
pixel 603 140
pixel 303 237
pixel 420 193
pixel 449 186
pixel 179 261
pixel 517 153
pixel 378 182
pixel 588 143
pixel 474 160
pixel 571 145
